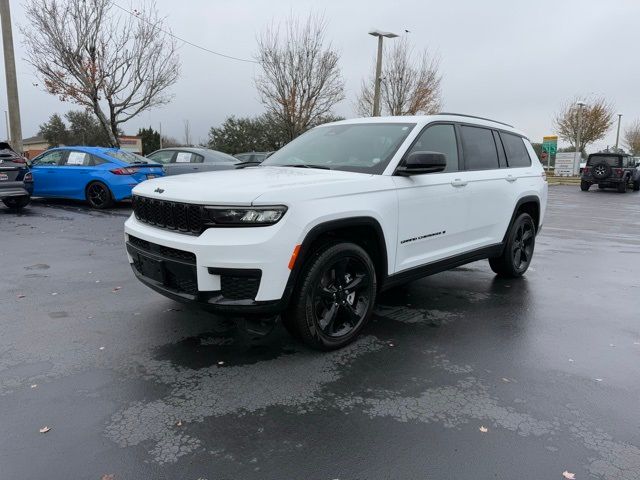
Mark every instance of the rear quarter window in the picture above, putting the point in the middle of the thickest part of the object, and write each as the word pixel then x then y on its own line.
pixel 611 160
pixel 517 155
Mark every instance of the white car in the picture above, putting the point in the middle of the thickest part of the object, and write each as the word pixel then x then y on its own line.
pixel 344 211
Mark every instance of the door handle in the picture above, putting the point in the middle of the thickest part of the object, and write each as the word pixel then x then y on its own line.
pixel 459 183
pixel 511 178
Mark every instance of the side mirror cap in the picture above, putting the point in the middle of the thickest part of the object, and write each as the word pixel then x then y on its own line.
pixel 423 162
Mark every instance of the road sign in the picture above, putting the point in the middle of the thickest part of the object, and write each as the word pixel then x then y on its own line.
pixel 550 144
pixel 564 164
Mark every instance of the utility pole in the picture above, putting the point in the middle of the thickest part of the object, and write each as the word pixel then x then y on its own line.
pixel 10 71
pixel 576 169
pixel 378 79
pixel 618 134
pixel 160 134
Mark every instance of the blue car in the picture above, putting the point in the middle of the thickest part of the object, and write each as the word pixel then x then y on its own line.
pixel 98 175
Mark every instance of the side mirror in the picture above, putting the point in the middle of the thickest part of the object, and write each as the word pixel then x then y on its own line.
pixel 423 162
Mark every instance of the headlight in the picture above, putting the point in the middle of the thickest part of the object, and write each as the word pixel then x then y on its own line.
pixel 243 216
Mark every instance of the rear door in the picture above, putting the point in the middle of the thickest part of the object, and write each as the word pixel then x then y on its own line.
pixel 45 170
pixel 489 189
pixel 184 162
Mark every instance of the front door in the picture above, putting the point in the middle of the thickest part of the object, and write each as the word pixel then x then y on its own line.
pixel 433 207
pixel 46 181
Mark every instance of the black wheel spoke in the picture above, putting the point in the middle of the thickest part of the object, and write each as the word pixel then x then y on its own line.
pixel 527 236
pixel 329 318
pixel 326 293
pixel 357 283
pixel 351 313
pixel 517 257
pixel 340 270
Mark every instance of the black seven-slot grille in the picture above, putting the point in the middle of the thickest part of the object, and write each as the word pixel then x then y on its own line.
pixel 181 217
pixel 168 252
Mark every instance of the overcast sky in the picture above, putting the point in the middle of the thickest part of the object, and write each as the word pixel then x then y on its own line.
pixel 510 60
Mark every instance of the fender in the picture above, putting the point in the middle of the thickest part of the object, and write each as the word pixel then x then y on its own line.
pixel 522 201
pixel 327 227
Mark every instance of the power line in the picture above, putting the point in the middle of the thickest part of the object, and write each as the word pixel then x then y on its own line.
pixel 187 41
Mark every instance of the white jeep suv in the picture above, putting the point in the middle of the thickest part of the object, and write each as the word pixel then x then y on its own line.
pixel 344 211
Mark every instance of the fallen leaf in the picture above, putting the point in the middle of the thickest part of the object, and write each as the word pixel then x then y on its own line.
pixel 116 289
pixel 598 379
pixel 483 429
pixel 220 363
pixel 109 476
pixel 54 293
pixel 34 385
pixel 101 348
pixel 97 281
pixel 179 424
pixel 571 360
pixel 506 380
pixel 391 345
pixel 569 475
pixel 21 296
pixel 44 429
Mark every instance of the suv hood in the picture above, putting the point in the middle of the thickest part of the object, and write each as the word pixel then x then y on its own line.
pixel 244 186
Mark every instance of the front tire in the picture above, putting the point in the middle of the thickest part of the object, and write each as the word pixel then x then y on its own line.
pixel 99 196
pixel 622 187
pixel 17 203
pixel 334 297
pixel 518 251
pixel 584 185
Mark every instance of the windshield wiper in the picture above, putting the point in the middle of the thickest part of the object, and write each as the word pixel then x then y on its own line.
pixel 304 165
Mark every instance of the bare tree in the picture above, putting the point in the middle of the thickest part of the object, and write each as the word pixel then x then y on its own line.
pixel 632 137
pixel 117 66
pixel 410 83
pixel 300 80
pixel 597 118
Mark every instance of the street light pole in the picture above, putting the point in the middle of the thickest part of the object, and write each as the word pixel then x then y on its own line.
pixel 618 134
pixel 10 73
pixel 378 79
pixel 579 153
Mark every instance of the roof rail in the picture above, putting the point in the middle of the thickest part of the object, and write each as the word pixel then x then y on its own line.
pixel 473 116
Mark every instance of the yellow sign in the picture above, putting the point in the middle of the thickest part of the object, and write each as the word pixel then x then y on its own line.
pixel 550 138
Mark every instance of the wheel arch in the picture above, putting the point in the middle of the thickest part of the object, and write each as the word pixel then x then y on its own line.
pixel 528 204
pixel 364 231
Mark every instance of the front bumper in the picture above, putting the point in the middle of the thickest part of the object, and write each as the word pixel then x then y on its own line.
pixel 230 270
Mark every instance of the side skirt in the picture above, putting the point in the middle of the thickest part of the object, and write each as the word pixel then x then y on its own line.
pixel 415 273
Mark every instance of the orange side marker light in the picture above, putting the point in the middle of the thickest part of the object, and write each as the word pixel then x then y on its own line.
pixel 294 256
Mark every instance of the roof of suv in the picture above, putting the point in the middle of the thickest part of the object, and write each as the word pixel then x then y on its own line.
pixel 425 119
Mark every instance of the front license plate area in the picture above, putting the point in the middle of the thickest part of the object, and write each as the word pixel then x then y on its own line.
pixel 151 268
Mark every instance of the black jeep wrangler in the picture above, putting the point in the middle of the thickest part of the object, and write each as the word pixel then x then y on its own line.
pixel 610 170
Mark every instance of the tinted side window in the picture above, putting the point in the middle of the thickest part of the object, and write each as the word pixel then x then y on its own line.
pixel 479 148
pixel 517 155
pixel 195 158
pixel 162 157
pixel 441 139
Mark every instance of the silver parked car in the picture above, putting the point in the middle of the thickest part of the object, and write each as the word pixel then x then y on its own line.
pixel 178 160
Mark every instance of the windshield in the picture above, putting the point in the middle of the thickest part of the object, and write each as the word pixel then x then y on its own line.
pixel 127 156
pixel 361 147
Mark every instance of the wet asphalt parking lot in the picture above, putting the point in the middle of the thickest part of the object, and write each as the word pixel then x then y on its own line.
pixel 136 386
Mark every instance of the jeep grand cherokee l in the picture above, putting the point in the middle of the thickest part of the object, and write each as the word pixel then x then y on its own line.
pixel 344 211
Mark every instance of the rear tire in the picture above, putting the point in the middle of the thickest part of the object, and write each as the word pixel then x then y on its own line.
pixel 17 203
pixel 334 297
pixel 518 251
pixel 622 187
pixel 584 185
pixel 98 195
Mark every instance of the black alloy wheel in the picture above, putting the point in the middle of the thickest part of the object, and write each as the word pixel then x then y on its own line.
pixel 518 251
pixel 341 298
pixel 334 297
pixel 99 196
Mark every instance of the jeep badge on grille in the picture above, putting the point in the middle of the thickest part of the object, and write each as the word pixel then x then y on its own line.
pixel 159 190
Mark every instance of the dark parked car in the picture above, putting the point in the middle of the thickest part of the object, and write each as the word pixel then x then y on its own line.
pixel 253 157
pixel 16 181
pixel 192 160
pixel 610 170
